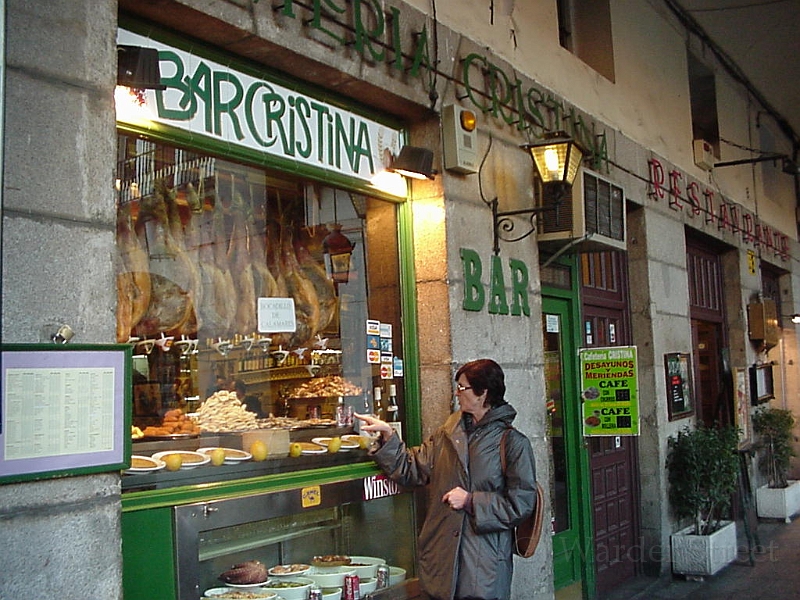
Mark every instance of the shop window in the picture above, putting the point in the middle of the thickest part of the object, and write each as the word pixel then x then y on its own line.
pixel 234 279
pixel 584 28
pixel 703 97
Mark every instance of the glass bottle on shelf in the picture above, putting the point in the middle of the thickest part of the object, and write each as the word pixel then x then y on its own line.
pixel 377 406
pixel 344 414
pixel 392 409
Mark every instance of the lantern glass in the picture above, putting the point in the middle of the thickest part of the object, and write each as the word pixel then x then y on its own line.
pixel 557 159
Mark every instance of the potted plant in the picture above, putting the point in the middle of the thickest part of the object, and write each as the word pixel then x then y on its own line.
pixel 702 467
pixel 780 497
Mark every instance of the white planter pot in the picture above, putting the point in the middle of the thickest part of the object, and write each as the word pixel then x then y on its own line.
pixel 703 554
pixel 778 503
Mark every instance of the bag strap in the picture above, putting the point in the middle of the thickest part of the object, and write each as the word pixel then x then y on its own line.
pixel 503 450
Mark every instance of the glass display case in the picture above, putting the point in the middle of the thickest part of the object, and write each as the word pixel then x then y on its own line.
pixel 254 299
pixel 291 526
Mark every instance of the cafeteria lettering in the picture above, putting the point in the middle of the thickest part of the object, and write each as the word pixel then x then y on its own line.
pixel 475 292
pixel 608 375
pixel 615 411
pixel 689 198
pixel 618 364
pixel 293 124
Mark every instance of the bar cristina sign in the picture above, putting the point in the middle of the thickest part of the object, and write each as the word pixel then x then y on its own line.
pixel 209 99
pixel 610 390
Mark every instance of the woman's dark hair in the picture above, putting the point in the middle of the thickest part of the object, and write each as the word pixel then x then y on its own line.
pixel 485 375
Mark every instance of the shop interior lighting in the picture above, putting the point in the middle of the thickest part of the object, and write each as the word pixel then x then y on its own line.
pixel 414 162
pixel 138 68
pixel 557 158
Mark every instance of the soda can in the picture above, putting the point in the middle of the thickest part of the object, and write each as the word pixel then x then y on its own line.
pixel 352 591
pixel 383 577
pixel 315 593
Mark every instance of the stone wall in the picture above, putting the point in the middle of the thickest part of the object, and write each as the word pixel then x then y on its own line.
pixel 60 538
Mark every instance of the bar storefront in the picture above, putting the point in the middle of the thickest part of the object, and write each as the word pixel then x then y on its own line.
pixel 264 285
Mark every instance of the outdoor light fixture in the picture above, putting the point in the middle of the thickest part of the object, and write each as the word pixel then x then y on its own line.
pixel 137 68
pixel 414 162
pixel 338 249
pixel 796 319
pixel 557 158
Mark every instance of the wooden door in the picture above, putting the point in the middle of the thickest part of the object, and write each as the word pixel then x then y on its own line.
pixel 612 459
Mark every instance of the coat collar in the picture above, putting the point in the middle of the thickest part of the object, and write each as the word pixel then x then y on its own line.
pixel 454 428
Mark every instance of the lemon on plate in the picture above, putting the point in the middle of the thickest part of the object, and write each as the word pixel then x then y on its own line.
pixel 259 450
pixel 173 461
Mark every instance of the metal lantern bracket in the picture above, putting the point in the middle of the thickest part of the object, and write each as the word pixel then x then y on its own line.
pixel 503 223
pixel 557 159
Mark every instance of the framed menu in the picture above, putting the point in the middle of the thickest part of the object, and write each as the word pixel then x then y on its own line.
pixel 64 410
pixel 680 392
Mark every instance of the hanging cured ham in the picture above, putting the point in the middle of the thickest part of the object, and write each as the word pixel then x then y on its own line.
pixel 240 261
pixel 133 276
pixel 306 303
pixel 323 286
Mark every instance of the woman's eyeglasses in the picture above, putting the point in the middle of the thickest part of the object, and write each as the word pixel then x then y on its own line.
pixel 462 388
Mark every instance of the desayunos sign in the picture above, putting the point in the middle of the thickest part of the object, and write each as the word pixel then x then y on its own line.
pixel 210 99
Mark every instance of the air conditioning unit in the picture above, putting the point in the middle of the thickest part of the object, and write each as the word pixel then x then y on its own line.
pixel 594 209
pixel 703 154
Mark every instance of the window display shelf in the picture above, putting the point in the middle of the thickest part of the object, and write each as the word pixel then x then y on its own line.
pixel 288 373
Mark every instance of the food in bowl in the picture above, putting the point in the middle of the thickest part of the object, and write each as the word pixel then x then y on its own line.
pixel 330 560
pixel 227 593
pixel 289 570
pixel 332 593
pixel 295 588
pixel 367 586
pixel 366 566
pixel 332 577
pixel 251 572
pixel 396 575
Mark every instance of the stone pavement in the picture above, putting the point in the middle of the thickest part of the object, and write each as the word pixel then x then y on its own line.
pixel 774 575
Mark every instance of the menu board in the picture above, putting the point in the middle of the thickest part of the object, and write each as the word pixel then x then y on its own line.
pixel 609 390
pixel 678 373
pixel 65 409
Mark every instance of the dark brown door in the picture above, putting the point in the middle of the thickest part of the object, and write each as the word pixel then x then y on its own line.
pixel 712 371
pixel 714 406
pixel 611 459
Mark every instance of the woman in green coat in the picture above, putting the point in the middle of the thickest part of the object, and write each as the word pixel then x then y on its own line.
pixel 465 545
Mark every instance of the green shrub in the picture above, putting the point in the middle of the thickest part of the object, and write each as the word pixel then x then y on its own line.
pixel 702 467
pixel 774 429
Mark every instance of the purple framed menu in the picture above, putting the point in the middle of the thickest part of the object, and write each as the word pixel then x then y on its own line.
pixel 65 410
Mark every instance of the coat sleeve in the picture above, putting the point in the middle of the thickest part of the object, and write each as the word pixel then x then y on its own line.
pixel 409 467
pixel 515 500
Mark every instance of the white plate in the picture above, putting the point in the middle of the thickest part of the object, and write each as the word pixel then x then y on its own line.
pixel 244 586
pixel 367 586
pixel 368 560
pixel 356 439
pixel 366 566
pixel 330 576
pixel 396 575
pixel 346 445
pixel 202 459
pixel 309 448
pixel 296 569
pixel 238 455
pixel 157 464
